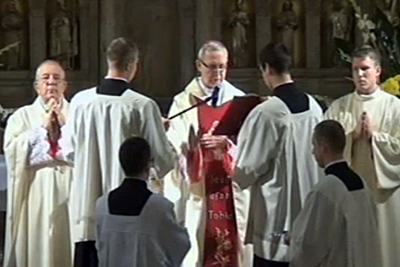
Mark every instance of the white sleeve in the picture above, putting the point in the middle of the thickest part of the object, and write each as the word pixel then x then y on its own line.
pixel 174 237
pixel 177 131
pixel 67 140
pixel 257 142
pixel 39 147
pixel 386 154
pixel 313 231
pixel 153 131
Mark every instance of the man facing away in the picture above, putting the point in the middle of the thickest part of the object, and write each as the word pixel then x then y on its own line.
pixel 133 226
pixel 39 179
pixel 371 119
pixel 192 196
pixel 101 119
pixel 274 157
pixel 337 226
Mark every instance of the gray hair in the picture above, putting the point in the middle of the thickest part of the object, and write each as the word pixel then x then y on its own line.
pixel 39 70
pixel 211 46
pixel 47 61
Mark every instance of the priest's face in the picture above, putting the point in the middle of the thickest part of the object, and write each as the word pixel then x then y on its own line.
pixel 365 74
pixel 50 82
pixel 212 67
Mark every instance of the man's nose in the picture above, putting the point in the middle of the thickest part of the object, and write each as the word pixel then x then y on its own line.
pixel 52 80
pixel 218 73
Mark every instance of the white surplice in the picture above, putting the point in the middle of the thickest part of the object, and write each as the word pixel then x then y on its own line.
pixel 38 224
pixel 377 161
pixel 97 126
pixel 336 228
pixel 275 160
pixel 151 239
pixel 189 198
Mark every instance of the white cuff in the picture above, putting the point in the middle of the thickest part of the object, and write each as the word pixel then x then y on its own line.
pixel 39 147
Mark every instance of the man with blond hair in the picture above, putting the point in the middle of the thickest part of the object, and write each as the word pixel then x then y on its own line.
pixel 371 119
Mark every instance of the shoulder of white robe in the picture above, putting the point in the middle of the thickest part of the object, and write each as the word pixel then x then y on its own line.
pixel 231 88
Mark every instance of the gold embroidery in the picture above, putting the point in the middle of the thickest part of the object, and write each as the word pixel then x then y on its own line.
pixel 223 245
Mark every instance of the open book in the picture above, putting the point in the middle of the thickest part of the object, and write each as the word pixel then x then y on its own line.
pixel 234 113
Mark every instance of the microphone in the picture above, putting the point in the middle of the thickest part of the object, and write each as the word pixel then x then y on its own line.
pixel 214 96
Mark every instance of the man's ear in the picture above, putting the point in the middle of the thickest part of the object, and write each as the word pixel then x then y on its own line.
pixel 379 71
pixel 269 70
pixel 324 148
pixel 35 86
pixel 198 64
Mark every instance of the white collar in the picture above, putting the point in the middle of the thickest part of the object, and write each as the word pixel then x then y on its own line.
pixel 363 97
pixel 208 91
pixel 334 162
pixel 117 78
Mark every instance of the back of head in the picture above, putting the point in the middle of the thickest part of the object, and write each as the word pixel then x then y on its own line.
pixel 277 57
pixel 367 51
pixel 331 134
pixel 121 53
pixel 135 156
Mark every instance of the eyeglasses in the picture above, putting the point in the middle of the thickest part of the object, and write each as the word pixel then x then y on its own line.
pixel 220 67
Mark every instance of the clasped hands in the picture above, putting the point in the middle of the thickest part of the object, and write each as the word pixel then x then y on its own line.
pixel 53 120
pixel 365 128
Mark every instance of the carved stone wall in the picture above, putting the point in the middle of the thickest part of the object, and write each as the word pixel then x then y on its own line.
pixel 168 33
pixel 16 85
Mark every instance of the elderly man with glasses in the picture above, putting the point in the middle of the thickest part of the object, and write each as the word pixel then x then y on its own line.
pixel 205 198
pixel 37 230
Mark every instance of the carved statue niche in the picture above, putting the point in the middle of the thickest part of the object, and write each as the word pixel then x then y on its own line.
pixel 287 22
pixel 341 19
pixel 63 29
pixel 13 24
pixel 238 22
pixel 338 26
pixel 389 8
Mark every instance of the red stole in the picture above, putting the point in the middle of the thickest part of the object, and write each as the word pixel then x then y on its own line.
pixel 215 167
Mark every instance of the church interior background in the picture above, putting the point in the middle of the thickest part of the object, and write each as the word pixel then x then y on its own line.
pixel 168 33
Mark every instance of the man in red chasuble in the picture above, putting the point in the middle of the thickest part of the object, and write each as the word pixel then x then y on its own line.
pixel 206 199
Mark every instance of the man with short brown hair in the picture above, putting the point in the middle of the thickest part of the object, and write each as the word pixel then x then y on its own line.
pixel 371 119
pixel 337 226
pixel 101 119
